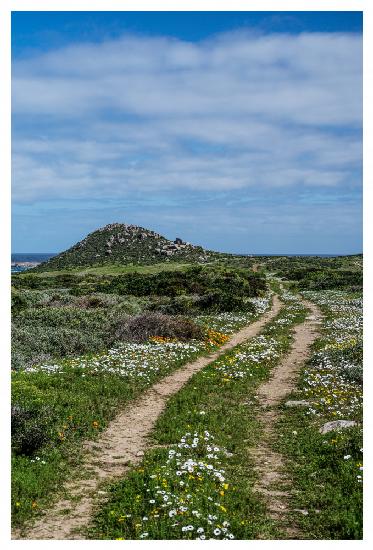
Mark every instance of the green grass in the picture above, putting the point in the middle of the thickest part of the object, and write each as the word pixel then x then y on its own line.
pixel 326 470
pixel 325 483
pixel 219 400
pixel 111 269
pixel 78 401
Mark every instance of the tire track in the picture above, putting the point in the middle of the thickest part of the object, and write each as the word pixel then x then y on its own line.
pixel 269 464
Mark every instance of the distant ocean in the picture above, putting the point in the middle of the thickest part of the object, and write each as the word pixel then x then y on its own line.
pixel 21 257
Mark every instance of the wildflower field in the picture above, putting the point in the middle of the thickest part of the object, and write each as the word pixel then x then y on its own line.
pixel 86 345
pixel 58 404
pixel 197 482
pixel 327 469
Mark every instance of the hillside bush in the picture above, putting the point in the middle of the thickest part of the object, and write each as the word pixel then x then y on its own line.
pixel 55 322
pixel 178 305
pixel 63 317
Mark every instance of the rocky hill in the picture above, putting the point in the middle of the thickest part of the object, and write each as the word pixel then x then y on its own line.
pixel 124 244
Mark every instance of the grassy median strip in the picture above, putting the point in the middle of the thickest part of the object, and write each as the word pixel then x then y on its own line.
pixel 196 483
pixel 326 468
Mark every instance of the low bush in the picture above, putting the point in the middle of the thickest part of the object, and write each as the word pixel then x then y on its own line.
pixel 19 301
pixel 196 280
pixel 142 327
pixel 180 305
pixel 325 279
pixel 63 317
pixel 214 302
pixel 33 344
pixel 30 428
pixel 217 302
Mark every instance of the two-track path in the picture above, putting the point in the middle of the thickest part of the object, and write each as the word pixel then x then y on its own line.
pixel 122 445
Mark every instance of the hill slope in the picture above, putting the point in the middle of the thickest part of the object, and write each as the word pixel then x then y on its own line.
pixel 119 243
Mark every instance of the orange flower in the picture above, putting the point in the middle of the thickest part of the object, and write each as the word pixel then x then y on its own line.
pixel 215 338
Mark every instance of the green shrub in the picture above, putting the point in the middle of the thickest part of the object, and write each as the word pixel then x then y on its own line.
pixel 178 305
pixel 314 278
pixel 218 301
pixel 34 344
pixel 30 428
pixel 193 281
pixel 214 302
pixel 19 301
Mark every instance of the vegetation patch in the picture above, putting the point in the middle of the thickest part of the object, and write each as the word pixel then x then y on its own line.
pixel 200 484
pixel 78 396
pixel 143 327
pixel 317 273
pixel 327 468
pixel 90 336
pixel 94 312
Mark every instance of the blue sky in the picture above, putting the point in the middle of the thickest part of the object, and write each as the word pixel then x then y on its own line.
pixel 239 131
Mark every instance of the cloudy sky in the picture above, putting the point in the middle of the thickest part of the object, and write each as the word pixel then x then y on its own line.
pixel 241 132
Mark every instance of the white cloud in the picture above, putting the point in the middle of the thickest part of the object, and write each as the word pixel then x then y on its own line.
pixel 236 111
